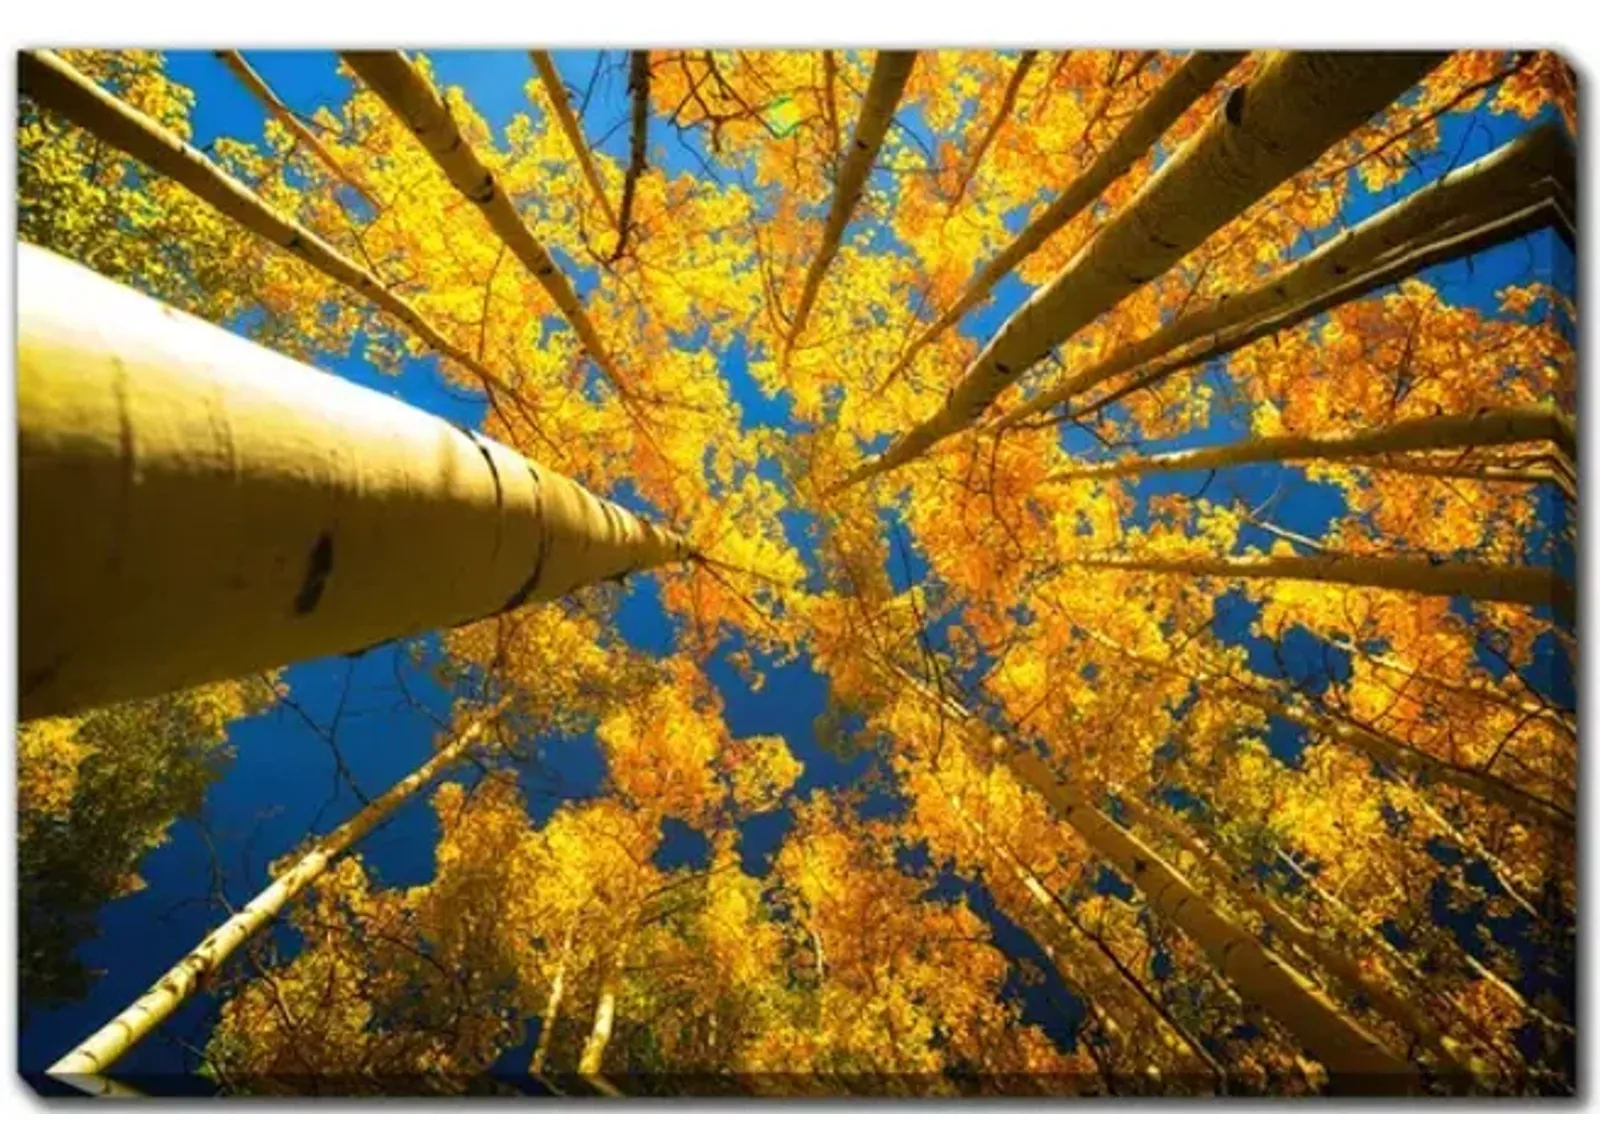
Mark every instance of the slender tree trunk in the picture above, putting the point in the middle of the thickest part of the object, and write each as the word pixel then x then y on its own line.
pixel 55 86
pixel 1380 748
pixel 830 109
pixel 1064 945
pixel 233 510
pixel 1318 952
pixel 1461 430
pixel 890 71
pixel 1355 1061
pixel 1446 949
pixel 1545 470
pixel 1008 101
pixel 1408 760
pixel 639 89
pixel 1198 73
pixel 605 1015
pixel 1532 586
pixel 235 62
pixel 412 98
pixel 139 1019
pixel 552 1007
pixel 556 92
pixel 1482 693
pixel 1298 105
pixel 1487 202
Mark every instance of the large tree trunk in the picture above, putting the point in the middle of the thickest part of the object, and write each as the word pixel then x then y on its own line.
pixel 55 86
pixel 1533 586
pixel 1296 107
pixel 139 1019
pixel 303 135
pixel 1198 73
pixel 890 71
pixel 412 98
pixel 1461 430
pixel 195 507
pixel 1524 186
pixel 556 92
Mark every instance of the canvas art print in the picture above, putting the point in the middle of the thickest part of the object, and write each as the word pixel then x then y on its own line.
pixel 797 573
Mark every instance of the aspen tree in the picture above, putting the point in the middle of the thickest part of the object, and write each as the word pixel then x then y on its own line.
pixel 890 71
pixel 552 1007
pixel 1355 1060
pixel 184 979
pixel 1319 952
pixel 1414 434
pixel 1195 76
pixel 1008 100
pixel 592 1057
pixel 639 92
pixel 256 86
pixel 1522 187
pixel 1400 757
pixel 1062 941
pixel 55 85
pixel 195 507
pixel 412 98
pixel 1295 108
pixel 556 92
pixel 1532 586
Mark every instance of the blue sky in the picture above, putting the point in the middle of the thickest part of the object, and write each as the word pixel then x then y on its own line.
pixel 284 782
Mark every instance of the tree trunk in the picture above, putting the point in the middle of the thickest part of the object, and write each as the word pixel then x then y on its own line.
pixel 639 89
pixel 1380 748
pixel 1477 690
pixel 55 86
pixel 1541 470
pixel 552 1007
pixel 418 106
pixel 1532 586
pixel 1008 100
pixel 1299 104
pixel 235 62
pixel 195 507
pixel 1408 760
pixel 139 1019
pixel 1319 952
pixel 890 71
pixel 830 110
pixel 1447 949
pixel 1198 73
pixel 1461 430
pixel 1504 194
pixel 1356 1062
pixel 1063 943
pixel 605 1014
pixel 556 92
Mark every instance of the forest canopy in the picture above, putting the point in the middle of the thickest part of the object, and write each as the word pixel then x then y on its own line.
pixel 1051 571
